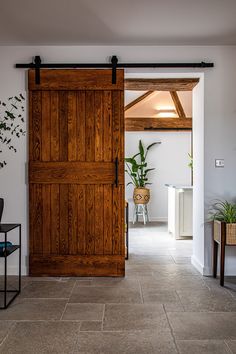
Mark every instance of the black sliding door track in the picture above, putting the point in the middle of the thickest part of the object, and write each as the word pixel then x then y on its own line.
pixel 37 65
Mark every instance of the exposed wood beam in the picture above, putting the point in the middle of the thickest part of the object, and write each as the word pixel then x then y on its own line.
pixel 161 84
pixel 177 103
pixel 140 124
pixel 137 100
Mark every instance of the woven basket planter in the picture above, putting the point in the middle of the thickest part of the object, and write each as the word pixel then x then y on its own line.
pixel 221 229
pixel 141 195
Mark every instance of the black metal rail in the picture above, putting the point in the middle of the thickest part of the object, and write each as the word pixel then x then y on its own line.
pixel 113 64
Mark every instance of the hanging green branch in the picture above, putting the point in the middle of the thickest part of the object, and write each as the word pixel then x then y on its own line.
pixel 11 121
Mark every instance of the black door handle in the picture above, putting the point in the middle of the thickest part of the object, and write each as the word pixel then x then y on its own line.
pixel 116 172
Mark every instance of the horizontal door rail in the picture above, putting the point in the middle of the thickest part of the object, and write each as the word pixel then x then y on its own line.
pixel 113 64
pixel 74 172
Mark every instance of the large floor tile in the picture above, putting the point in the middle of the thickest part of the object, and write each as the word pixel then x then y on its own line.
pixel 159 296
pixel 48 289
pixel 170 282
pixel 41 338
pixel 91 326
pixel 202 347
pixel 140 342
pixel 34 309
pixel 126 282
pixel 203 325
pixel 83 312
pixel 105 295
pixel 121 317
pixel 207 300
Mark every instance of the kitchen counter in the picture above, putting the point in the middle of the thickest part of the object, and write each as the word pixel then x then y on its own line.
pixel 180 210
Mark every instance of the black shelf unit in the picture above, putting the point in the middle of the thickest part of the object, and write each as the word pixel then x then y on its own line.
pixel 8 250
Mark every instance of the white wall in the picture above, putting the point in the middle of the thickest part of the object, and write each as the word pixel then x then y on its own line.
pixel 170 158
pixel 219 125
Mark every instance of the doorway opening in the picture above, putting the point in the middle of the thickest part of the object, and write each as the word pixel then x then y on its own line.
pixel 165 108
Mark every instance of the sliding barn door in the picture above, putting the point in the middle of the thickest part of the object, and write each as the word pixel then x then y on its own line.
pixel 76 173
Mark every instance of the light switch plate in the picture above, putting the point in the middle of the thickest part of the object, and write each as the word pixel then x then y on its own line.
pixel 219 162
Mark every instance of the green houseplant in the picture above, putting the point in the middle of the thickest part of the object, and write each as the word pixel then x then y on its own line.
pixel 11 120
pixel 223 214
pixel 137 169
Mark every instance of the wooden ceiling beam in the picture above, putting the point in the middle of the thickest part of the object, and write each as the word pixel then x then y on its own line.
pixel 161 84
pixel 177 103
pixel 141 124
pixel 137 100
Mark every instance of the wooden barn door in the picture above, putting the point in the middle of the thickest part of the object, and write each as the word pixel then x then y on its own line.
pixel 76 198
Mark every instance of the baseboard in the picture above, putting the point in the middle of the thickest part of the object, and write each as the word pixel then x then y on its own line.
pixel 197 264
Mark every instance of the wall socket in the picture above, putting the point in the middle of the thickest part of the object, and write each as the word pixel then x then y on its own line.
pixel 219 162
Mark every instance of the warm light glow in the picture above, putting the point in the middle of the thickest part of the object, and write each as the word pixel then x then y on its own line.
pixel 166 111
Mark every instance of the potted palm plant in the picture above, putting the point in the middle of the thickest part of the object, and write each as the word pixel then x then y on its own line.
pixel 223 215
pixel 137 169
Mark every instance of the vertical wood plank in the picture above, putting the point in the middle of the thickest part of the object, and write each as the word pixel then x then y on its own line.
pixel 36 125
pixel 117 228
pixel 30 134
pixel 90 127
pixel 81 205
pixel 72 126
pixel 55 218
pixel 108 214
pixel 63 121
pixel 37 220
pixel 107 117
pixel 46 236
pixel 90 219
pixel 63 219
pixel 81 126
pixel 73 219
pixel 99 129
pixel 99 219
pixel 46 126
pixel 55 127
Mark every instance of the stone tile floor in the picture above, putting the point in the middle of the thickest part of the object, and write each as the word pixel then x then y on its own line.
pixel 163 305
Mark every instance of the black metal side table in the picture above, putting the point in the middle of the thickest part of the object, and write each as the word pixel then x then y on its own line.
pixel 7 251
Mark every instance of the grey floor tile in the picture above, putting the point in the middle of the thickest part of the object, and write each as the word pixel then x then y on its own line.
pixel 34 309
pixel 93 326
pixel 202 347
pixel 207 300
pixel 141 342
pixel 159 296
pixel 83 312
pixel 173 307
pixel 48 289
pixel 105 295
pixel 41 337
pixel 170 282
pixel 203 325
pixel 121 317
pixel 126 282
pixel 5 327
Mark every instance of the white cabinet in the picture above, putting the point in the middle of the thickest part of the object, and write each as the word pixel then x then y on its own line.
pixel 180 210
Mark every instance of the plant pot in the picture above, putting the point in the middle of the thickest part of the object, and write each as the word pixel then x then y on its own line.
pixel 229 230
pixel 1 207
pixel 141 195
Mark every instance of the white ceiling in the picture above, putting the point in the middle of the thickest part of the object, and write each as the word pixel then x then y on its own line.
pixel 118 22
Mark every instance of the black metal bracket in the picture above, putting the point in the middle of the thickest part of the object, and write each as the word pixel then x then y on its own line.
pixel 37 62
pixel 114 62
